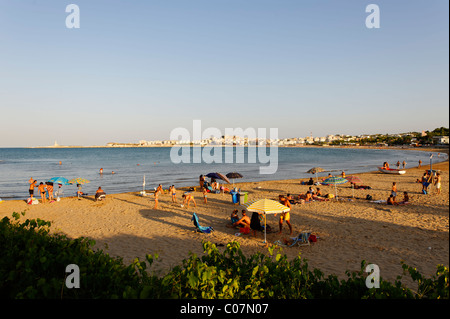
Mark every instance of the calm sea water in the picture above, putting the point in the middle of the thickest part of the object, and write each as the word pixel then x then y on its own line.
pixel 17 165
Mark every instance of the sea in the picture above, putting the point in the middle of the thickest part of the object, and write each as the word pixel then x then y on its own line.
pixel 130 165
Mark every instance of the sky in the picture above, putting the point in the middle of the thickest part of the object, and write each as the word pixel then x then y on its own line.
pixel 136 70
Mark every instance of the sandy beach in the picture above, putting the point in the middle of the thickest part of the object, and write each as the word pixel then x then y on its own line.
pixel 349 230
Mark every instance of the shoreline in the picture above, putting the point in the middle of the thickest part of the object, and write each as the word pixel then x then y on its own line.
pixel 434 148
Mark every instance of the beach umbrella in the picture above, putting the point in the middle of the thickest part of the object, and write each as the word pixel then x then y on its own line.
pixel 353 179
pixel 143 187
pixel 59 180
pixel 218 176
pixel 266 206
pixel 336 181
pixel 234 175
pixel 78 180
pixel 316 170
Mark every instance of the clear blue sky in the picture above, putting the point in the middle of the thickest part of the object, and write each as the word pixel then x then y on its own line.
pixel 138 69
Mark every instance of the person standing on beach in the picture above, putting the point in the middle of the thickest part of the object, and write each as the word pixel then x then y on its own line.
pixel 285 216
pixel 398 164
pixel 42 190
pixel 404 164
pixel 173 192
pixel 32 186
pixel 437 183
pixel 420 163
pixel 156 198
pixel 394 190
pixel 50 190
pixel 205 196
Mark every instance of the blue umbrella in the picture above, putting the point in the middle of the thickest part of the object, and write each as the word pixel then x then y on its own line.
pixel 59 180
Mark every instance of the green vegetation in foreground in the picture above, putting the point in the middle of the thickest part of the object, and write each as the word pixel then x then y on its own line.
pixel 33 264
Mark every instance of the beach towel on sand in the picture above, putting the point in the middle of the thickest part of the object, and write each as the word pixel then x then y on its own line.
pixel 202 229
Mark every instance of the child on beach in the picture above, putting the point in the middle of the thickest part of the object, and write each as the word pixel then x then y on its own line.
pixel 173 192
pixel 437 183
pixel 205 195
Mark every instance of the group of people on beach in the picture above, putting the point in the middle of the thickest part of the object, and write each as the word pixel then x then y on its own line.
pixel 430 178
pixel 255 223
pixel 187 196
pixel 46 191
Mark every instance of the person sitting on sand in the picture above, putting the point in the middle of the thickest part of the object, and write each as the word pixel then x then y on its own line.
pixel 255 223
pixel 318 196
pixel 291 200
pixel 405 200
pixel 309 197
pixel 99 193
pixel 187 199
pixel 79 192
pixel 234 216
pixel 391 200
pixel 244 221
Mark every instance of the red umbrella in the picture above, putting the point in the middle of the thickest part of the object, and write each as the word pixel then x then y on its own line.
pixel 353 179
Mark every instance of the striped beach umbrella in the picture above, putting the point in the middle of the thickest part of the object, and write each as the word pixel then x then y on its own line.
pixel 266 206
pixel 78 180
pixel 336 181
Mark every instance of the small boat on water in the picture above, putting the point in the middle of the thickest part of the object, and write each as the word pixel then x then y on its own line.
pixel 392 171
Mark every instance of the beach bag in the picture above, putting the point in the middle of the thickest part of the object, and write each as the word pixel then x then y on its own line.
pixel 32 201
pixel 312 238
pixel 244 230
pixel 369 197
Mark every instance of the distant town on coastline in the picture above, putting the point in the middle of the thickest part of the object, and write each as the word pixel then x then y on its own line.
pixel 439 136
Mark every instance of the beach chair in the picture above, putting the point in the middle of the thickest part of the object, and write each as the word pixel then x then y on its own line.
pixel 201 229
pixel 302 239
